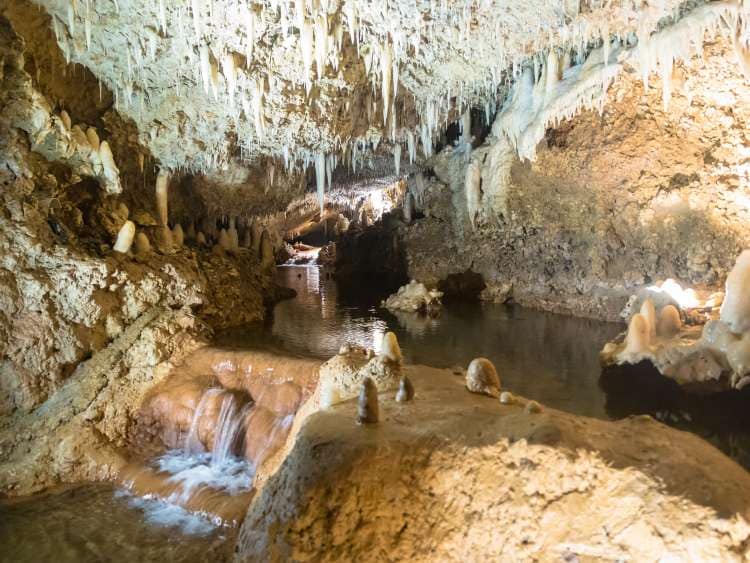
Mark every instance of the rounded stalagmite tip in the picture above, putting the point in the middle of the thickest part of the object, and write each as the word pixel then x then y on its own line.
pixel 532 407
pixel 391 350
pixel 368 411
pixel 482 378
pixel 125 237
pixel 405 390
pixel 669 323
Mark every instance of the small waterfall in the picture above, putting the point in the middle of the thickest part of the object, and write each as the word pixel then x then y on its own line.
pixel 230 423
pixel 193 444
pixel 227 429
pixel 217 482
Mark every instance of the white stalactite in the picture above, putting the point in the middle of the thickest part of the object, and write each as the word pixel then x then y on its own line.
pixel 162 195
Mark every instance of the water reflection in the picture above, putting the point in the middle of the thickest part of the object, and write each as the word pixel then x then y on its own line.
pixel 720 418
pixel 551 358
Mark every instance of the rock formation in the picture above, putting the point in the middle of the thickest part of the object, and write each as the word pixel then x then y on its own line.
pixel 482 378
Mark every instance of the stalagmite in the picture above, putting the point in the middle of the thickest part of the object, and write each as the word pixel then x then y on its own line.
pixel 190 233
pixel 162 185
pixel 200 239
pixel 110 171
pixel 165 243
pixel 142 244
pixel 482 378
pixel 669 321
pixel 125 237
pixel 649 313
pixel 368 410
pixel 267 258
pixel 178 236
pixel 65 118
pixel 390 349
pixel 466 127
pixel 234 238
pixel 397 158
pixel 735 310
pixel 532 407
pixel 405 390
pixel 408 208
pixel 79 137
pixel 638 337
pixel 257 232
pixel 93 138
pixel 224 240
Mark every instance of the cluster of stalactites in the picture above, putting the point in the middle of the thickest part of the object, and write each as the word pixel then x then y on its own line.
pixel 226 67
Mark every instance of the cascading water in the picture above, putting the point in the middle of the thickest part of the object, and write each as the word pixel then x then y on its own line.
pixel 215 483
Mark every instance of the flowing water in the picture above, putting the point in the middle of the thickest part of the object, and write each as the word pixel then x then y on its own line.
pixel 550 358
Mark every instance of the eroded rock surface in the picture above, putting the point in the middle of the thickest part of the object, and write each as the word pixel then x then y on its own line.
pixel 455 476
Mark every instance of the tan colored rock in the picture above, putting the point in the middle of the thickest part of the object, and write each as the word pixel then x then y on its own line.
pixel 482 378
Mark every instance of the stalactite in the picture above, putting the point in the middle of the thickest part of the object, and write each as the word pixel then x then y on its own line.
pixel 320 178
pixel 162 194
pixel 306 46
pixel 473 191
pixel 386 75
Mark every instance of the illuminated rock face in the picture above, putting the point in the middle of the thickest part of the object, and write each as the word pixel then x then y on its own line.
pixel 712 351
pixel 613 229
pixel 735 311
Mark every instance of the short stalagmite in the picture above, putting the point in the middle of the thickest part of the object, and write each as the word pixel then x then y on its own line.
pixel 125 237
pixel 405 391
pixel 368 410
pixel 142 244
pixel 482 378
pixel 391 350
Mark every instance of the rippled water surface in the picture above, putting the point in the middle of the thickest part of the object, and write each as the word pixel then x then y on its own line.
pixel 95 522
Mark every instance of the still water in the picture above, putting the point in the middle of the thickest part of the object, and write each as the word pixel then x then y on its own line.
pixel 551 358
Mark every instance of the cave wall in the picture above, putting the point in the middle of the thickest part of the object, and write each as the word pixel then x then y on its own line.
pixel 86 331
pixel 612 202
